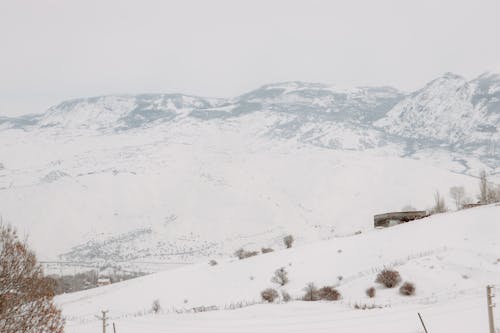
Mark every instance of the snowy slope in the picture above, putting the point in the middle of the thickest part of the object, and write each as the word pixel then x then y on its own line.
pixel 450 257
pixel 453 111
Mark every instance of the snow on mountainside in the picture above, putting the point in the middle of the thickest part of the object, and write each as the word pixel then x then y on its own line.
pixel 449 257
pixel 120 112
pixel 451 110
pixel 173 177
pixel 297 98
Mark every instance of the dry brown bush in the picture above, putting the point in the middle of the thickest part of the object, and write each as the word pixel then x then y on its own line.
pixel 242 254
pixel 328 293
pixel 407 289
pixel 26 295
pixel 389 278
pixel 370 292
pixel 269 295
pixel 266 250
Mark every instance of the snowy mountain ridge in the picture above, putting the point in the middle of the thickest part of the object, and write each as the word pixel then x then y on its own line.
pixel 462 116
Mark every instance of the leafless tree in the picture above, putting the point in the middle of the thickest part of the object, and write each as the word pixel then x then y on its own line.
pixel 483 187
pixel 439 204
pixel 26 295
pixel 285 296
pixel 458 195
pixel 280 277
pixel 288 240
pixel 488 192
pixel 156 307
pixel 312 292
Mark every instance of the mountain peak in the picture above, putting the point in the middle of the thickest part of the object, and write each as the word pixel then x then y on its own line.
pixel 452 76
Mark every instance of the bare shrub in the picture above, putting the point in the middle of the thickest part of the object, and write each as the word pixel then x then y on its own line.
pixel 407 289
pixel 439 204
pixel 288 241
pixel 312 293
pixel 205 308
pixel 26 295
pixel 280 276
pixel 212 262
pixel 285 296
pixel 328 293
pixel 156 307
pixel 266 250
pixel 366 306
pixel 370 292
pixel 242 254
pixel 239 253
pixel 388 278
pixel 269 295
pixel 457 193
pixel 249 254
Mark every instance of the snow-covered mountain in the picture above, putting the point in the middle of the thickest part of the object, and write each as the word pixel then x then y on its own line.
pixel 450 110
pixel 461 116
pixel 172 177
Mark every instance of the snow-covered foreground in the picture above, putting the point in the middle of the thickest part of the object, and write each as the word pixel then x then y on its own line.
pixel 450 257
pixel 464 315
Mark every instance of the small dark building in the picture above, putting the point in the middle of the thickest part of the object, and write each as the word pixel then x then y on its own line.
pixel 394 218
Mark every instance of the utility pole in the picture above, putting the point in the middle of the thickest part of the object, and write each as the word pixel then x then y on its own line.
pixel 104 319
pixel 422 321
pixel 489 298
pixel 114 327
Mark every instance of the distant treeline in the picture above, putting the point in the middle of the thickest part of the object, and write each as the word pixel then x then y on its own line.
pixel 86 280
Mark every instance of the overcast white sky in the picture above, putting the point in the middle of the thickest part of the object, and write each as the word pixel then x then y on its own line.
pixel 55 50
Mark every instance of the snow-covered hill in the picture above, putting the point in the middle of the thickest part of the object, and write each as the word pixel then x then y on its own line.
pixel 172 177
pixel 449 257
pixel 137 197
